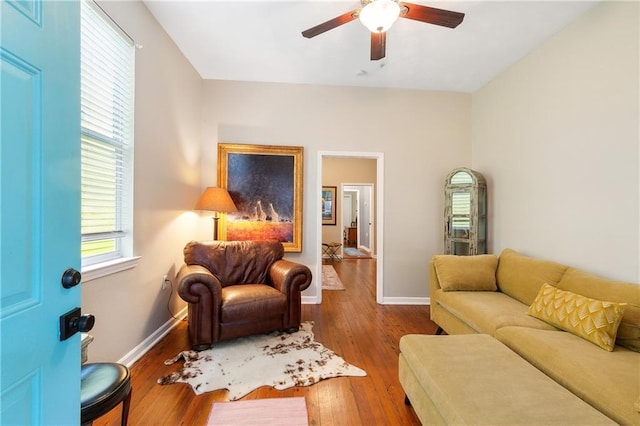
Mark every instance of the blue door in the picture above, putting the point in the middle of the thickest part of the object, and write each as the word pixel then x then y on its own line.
pixel 40 210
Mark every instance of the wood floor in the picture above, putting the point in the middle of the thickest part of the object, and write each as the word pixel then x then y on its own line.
pixel 349 322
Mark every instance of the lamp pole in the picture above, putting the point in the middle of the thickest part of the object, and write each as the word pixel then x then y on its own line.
pixel 215 227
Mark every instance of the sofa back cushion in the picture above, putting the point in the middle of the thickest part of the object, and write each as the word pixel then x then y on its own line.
pixel 235 262
pixel 466 273
pixel 521 277
pixel 593 286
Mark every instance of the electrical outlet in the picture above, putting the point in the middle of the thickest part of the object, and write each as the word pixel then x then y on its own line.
pixel 164 281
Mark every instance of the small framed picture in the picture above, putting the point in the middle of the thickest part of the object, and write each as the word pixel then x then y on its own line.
pixel 329 205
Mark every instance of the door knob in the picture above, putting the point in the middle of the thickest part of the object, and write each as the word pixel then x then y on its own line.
pixel 71 278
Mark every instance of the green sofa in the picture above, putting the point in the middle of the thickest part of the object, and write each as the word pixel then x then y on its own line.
pixel 496 302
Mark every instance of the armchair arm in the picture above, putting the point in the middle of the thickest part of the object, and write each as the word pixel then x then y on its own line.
pixel 289 277
pixel 198 286
pixel 191 275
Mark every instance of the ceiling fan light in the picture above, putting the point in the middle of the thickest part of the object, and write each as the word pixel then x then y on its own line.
pixel 379 15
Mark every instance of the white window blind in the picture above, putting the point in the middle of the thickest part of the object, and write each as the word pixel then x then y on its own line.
pixel 107 82
pixel 461 203
pixel 460 210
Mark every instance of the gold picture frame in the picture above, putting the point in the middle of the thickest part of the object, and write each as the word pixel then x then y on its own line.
pixel 265 182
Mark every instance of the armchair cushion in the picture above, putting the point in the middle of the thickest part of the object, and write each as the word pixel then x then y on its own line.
pixel 251 301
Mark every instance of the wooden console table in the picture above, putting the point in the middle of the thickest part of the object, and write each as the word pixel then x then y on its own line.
pixel 351 236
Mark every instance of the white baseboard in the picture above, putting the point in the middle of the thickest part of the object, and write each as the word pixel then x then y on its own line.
pixel 310 300
pixel 144 346
pixel 406 301
pixel 314 300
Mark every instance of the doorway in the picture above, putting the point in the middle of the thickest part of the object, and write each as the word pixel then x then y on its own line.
pixel 349 217
pixel 345 177
pixel 358 216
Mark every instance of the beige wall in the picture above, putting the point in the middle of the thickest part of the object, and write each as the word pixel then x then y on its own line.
pixel 556 136
pixel 422 135
pixel 338 171
pixel 129 306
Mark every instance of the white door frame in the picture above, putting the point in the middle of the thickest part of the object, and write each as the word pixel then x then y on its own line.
pixel 379 215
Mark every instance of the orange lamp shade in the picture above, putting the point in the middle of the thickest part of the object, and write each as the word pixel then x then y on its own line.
pixel 217 200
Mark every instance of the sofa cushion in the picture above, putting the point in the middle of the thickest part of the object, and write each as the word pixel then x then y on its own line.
pixel 606 380
pixel 596 287
pixel 466 273
pixel 594 320
pixel 487 311
pixel 521 276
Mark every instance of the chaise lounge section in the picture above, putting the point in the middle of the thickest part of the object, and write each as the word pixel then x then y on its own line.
pixel 476 380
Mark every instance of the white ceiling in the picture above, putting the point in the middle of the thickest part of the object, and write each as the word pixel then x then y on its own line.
pixel 261 41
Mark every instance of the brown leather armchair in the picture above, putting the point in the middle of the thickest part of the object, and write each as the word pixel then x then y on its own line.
pixel 239 288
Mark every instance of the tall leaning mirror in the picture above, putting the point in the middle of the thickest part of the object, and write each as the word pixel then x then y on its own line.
pixel 465 215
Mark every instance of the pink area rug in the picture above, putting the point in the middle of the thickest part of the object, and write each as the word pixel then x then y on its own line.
pixel 271 411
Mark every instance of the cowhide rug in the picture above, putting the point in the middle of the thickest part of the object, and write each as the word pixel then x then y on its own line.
pixel 241 365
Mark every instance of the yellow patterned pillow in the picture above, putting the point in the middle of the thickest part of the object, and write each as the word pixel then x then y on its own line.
pixel 591 319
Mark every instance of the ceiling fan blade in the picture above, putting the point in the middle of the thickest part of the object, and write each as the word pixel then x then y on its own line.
pixel 378 45
pixel 431 15
pixel 331 24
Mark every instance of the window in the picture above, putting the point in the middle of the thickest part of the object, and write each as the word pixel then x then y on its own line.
pixel 106 81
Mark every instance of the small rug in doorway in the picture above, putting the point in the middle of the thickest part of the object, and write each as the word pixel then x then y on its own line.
pixel 354 252
pixel 271 411
pixel 279 359
pixel 330 279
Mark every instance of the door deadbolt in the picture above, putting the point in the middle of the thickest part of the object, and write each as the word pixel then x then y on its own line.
pixel 73 321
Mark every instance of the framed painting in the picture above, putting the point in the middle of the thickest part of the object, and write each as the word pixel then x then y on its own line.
pixel 328 205
pixel 265 183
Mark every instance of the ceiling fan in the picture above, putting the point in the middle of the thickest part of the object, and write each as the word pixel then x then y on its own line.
pixel 379 15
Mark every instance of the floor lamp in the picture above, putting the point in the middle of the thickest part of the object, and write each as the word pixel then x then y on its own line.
pixel 218 201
